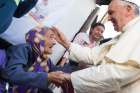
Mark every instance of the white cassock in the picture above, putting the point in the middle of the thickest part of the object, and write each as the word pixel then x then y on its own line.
pixel 116 64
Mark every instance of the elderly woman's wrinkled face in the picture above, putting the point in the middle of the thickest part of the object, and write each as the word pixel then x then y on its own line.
pixel 49 42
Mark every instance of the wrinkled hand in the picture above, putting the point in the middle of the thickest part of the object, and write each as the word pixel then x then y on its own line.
pixel 60 38
pixel 67 76
pixel 58 78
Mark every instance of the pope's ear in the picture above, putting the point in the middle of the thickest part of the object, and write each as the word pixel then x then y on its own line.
pixel 130 10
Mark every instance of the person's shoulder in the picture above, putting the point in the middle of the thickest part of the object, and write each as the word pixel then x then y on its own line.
pixel 24 45
pixel 21 51
pixel 20 47
pixel 82 34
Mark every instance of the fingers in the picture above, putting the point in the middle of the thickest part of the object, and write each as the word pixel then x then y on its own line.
pixel 67 76
pixel 64 79
pixel 57 34
pixel 58 77
pixel 55 30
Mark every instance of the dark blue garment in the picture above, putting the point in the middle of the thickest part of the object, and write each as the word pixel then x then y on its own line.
pixel 2 86
pixel 4 44
pixel 20 58
pixel 8 9
pixel 2 58
pixel 2 65
pixel 24 7
pixel 24 89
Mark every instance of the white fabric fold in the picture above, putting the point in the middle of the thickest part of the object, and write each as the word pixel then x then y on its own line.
pixel 131 37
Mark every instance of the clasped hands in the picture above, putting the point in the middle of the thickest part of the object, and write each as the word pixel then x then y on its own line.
pixel 58 77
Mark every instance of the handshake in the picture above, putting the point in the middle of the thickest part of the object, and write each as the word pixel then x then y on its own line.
pixel 58 77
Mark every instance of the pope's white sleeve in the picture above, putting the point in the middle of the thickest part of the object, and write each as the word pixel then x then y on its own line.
pixel 104 78
pixel 83 54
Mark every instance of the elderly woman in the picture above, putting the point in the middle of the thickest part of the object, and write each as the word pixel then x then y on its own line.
pixel 28 64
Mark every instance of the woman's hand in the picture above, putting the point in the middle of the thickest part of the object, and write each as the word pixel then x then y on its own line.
pixel 58 77
pixel 67 76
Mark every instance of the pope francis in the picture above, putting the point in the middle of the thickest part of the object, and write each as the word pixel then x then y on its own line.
pixel 116 64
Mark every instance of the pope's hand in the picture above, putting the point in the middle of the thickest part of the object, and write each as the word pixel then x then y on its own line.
pixel 57 77
pixel 60 38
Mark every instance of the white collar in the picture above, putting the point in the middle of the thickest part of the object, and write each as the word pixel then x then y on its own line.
pixel 126 47
pixel 131 23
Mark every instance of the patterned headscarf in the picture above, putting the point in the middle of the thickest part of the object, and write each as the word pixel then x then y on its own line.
pixel 36 38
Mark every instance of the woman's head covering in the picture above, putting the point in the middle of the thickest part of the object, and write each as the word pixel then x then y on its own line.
pixel 36 38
